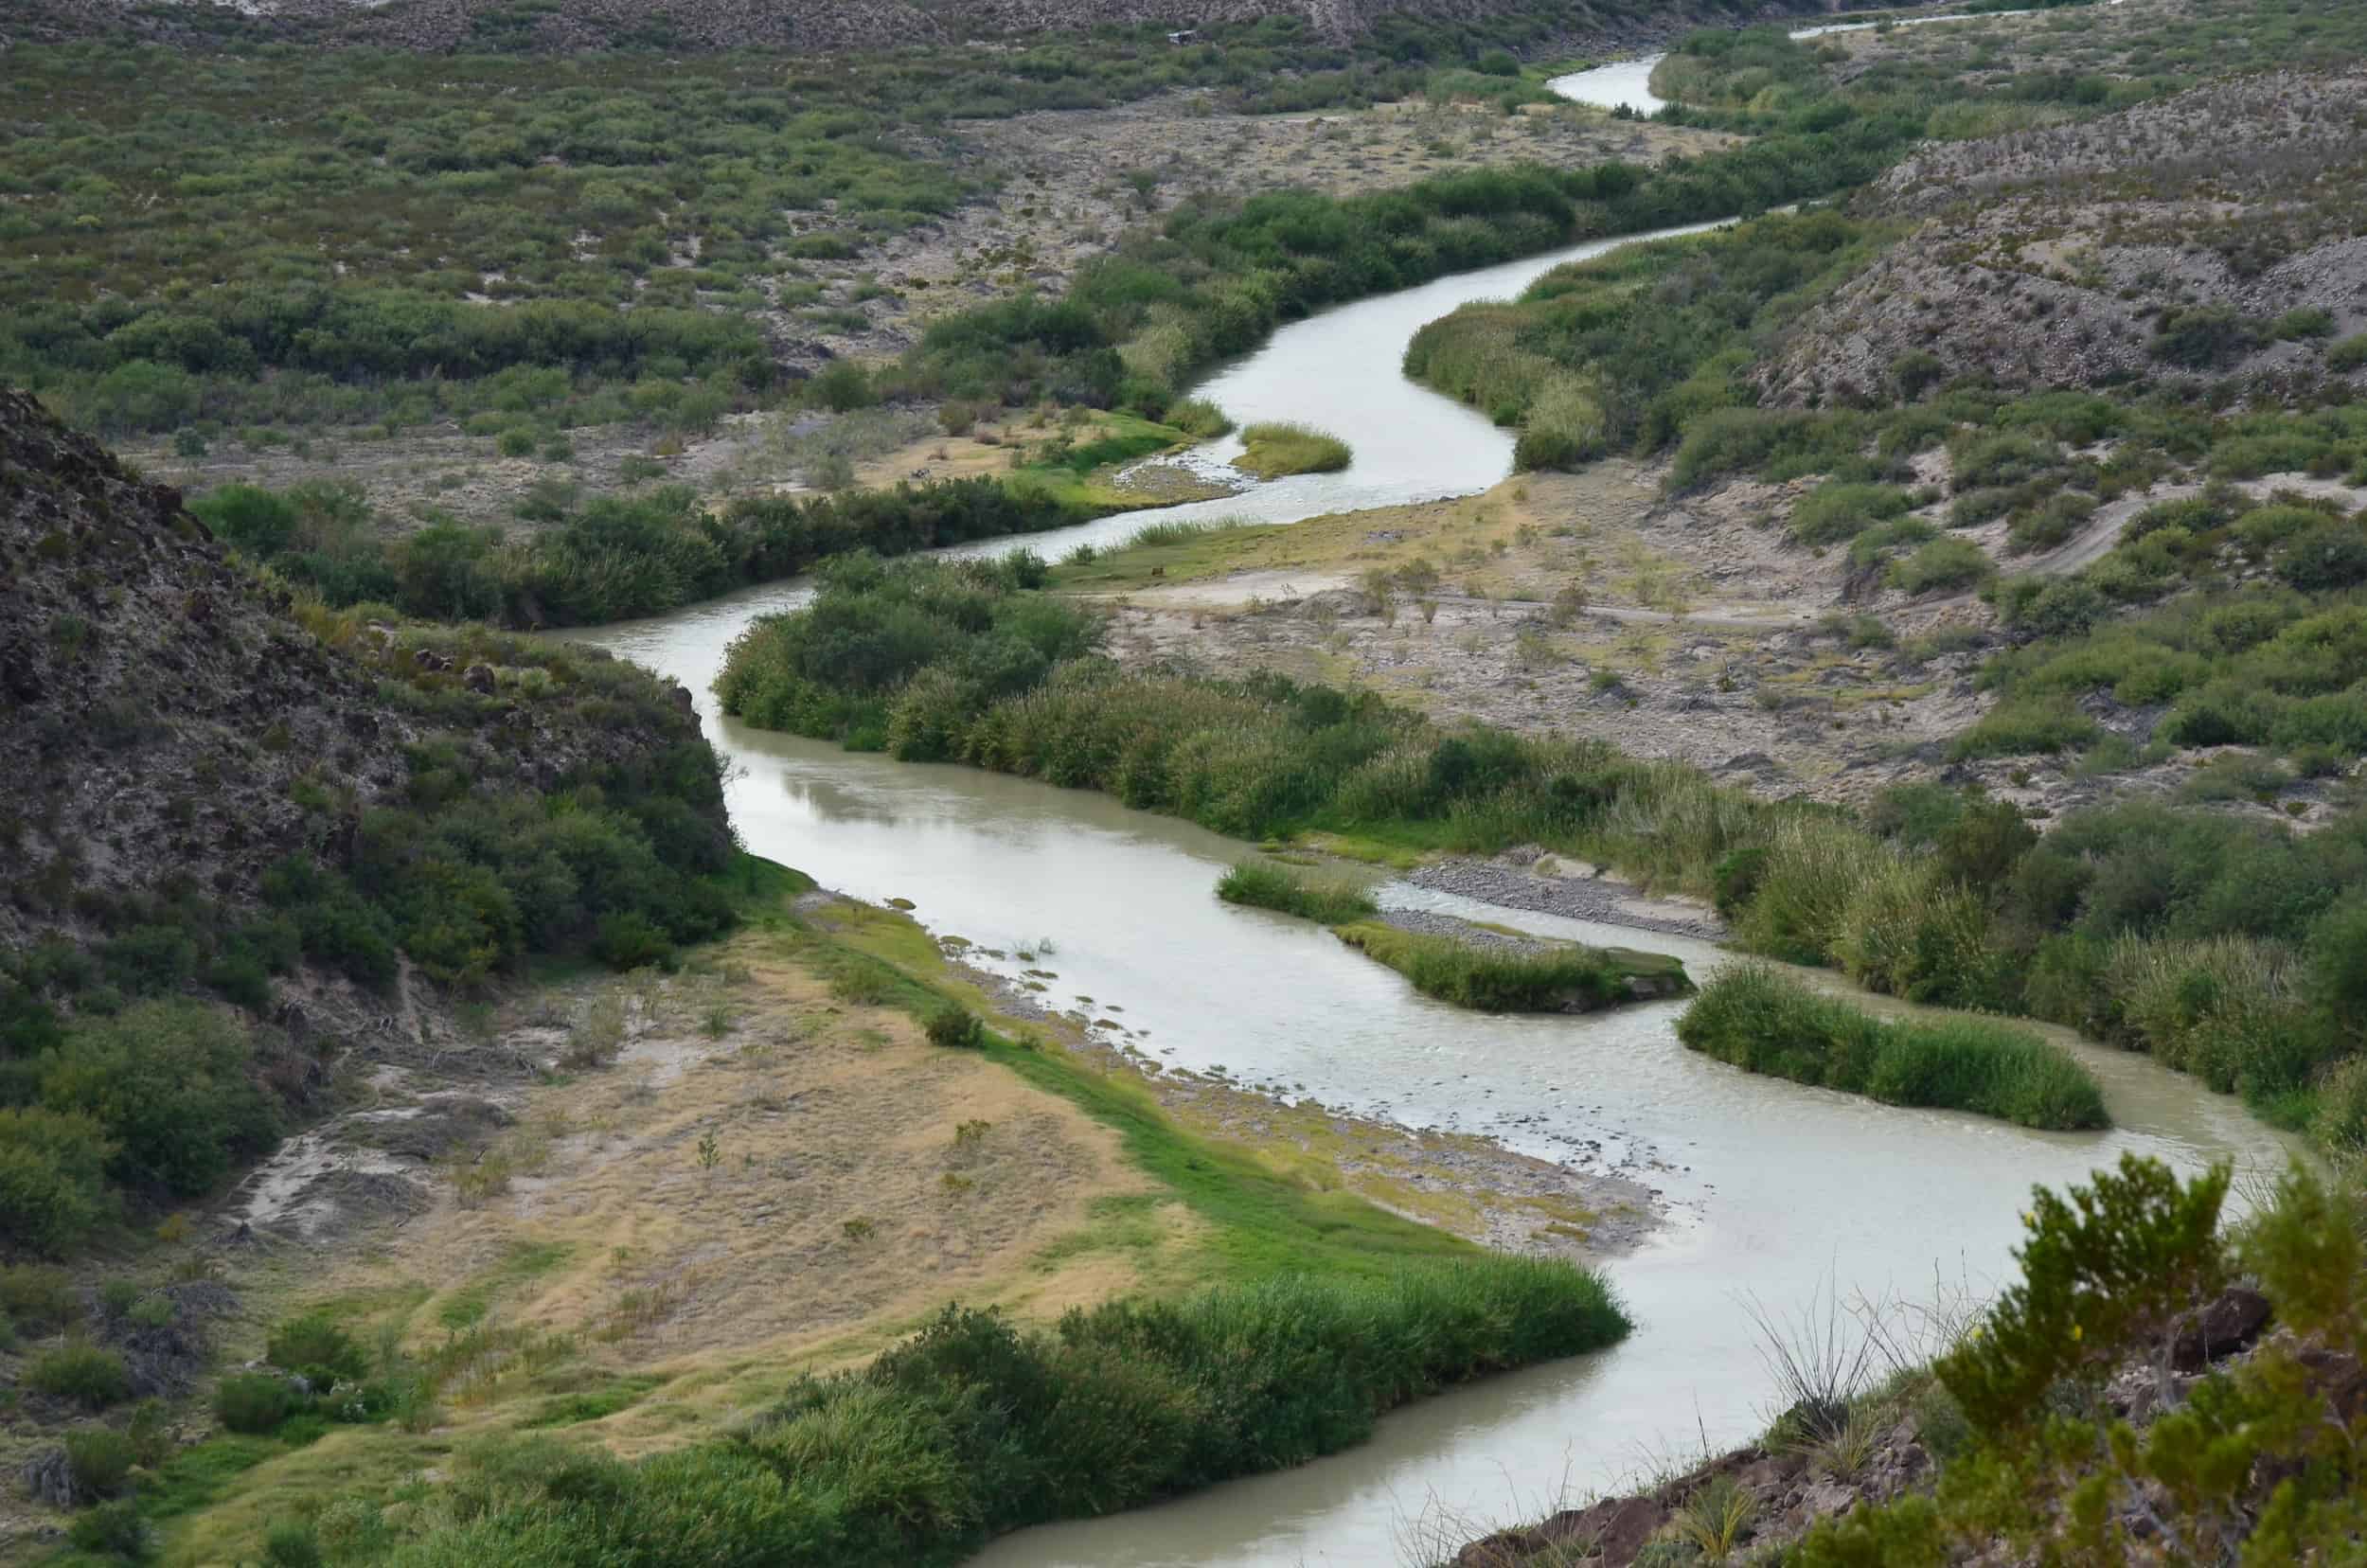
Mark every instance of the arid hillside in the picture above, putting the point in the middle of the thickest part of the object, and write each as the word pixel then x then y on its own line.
pixel 820 25
pixel 169 728
pixel 2213 234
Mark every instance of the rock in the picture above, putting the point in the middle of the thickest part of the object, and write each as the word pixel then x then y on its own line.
pixel 2220 1329
pixel 1614 1529
pixel 679 696
pixel 478 678
pixel 51 1478
pixel 1823 1499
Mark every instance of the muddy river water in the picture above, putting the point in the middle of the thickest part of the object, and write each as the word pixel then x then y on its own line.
pixel 1777 1192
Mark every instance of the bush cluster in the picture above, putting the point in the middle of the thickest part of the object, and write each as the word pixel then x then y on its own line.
pixel 974 1427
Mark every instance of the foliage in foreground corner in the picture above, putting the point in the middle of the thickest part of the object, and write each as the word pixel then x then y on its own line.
pixel 2257 1463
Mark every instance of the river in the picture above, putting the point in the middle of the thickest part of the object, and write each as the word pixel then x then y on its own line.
pixel 1777 1192
pixel 1629 82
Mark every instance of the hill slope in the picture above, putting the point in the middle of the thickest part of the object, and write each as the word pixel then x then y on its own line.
pixel 242 834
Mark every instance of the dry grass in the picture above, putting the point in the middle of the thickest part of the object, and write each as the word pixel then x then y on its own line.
pixel 699 1201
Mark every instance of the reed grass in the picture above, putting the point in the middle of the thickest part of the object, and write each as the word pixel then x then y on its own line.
pixel 1264 885
pixel 1506 979
pixel 1763 1022
pixel 1278 449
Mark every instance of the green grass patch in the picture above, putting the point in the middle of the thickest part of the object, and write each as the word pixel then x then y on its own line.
pixel 1278 449
pixel 1762 1022
pixel 592 1405
pixel 1492 979
pixel 1265 885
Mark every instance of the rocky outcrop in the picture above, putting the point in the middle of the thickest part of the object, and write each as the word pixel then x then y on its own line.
pixel 2055 257
pixel 171 725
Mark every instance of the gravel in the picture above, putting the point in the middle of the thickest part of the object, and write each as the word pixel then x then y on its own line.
pixel 1599 899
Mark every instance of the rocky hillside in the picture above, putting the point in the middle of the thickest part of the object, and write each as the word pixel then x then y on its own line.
pixel 168 726
pixel 2214 234
pixel 817 25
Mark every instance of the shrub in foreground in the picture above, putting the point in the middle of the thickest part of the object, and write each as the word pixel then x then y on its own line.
pixel 1265 885
pixel 1760 1020
pixel 975 1427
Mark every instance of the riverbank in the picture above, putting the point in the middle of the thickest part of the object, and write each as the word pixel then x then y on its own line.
pixel 627 1204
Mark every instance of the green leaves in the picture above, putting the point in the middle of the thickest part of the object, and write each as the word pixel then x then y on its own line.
pixel 2103 1271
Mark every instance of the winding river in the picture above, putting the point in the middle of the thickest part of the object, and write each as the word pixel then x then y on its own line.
pixel 1777 1191
pixel 1627 83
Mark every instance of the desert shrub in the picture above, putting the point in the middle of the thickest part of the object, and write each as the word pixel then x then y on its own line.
pixel 1835 511
pixel 952 1024
pixel 38 1299
pixel 83 1374
pixel 112 1531
pixel 1953 564
pixel 1754 1017
pixel 2025 726
pixel 1735 879
pixel 101 1459
pixel 317 1347
pixel 1907 931
pixel 2348 355
pixel 2204 338
pixel 2328 556
pixel 291 1543
pixel 1269 886
pixel 255 1402
pixel 53 1189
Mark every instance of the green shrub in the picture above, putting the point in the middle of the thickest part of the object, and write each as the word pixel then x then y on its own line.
pixel 38 1299
pixel 53 1169
pixel 2339 1121
pixel 1755 1018
pixel 2113 1265
pixel 1735 879
pixel 101 1460
pixel 628 940
pixel 315 1346
pixel 1835 512
pixel 255 1402
pixel 2204 338
pixel 1950 564
pixel 2024 726
pixel 112 1531
pixel 291 1543
pixel 2348 355
pixel 168 1084
pixel 1266 885
pixel 83 1374
pixel 952 1024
